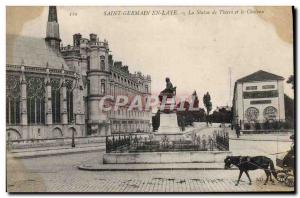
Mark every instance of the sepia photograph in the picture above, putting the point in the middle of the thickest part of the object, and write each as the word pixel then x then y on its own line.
pixel 150 99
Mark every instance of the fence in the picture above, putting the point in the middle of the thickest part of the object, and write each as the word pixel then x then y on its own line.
pixel 128 143
pixel 222 140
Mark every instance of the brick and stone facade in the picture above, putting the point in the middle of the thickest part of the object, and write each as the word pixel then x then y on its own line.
pixel 54 91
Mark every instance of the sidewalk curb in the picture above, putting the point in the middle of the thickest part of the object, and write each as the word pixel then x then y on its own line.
pixel 83 168
pixel 55 154
pixel 15 151
pixel 146 169
pixel 267 140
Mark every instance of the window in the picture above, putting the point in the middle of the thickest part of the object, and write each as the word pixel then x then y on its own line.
pixel 270 113
pixel 102 86
pixel 260 102
pixel 88 82
pixel 252 114
pixel 35 100
pixel 251 88
pixel 261 94
pixel 102 65
pixel 115 91
pixel 69 86
pixel 268 86
pixel 55 95
pixel 88 63
pixel 12 99
pixel 147 89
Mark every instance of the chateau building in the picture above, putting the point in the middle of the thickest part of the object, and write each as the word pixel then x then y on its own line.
pixel 54 91
pixel 258 98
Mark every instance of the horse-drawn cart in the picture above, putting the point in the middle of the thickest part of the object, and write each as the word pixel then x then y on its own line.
pixel 286 161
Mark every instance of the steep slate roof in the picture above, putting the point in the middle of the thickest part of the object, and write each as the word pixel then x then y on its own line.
pixel 33 52
pixel 260 76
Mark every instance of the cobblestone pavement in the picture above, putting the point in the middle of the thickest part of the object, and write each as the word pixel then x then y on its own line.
pixel 20 179
pixel 60 174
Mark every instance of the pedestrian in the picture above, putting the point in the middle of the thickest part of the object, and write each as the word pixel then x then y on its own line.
pixel 237 130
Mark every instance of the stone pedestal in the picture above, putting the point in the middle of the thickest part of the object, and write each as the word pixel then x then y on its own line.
pixel 168 123
pixel 168 128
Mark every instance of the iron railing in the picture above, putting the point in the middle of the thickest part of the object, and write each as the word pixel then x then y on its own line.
pixel 134 143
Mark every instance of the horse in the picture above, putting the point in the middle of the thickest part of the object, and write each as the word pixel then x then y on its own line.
pixel 245 163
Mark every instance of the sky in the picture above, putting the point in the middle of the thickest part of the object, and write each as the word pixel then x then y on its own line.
pixel 195 51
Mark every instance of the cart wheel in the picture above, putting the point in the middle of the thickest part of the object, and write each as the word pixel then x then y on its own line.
pixel 290 180
pixel 281 176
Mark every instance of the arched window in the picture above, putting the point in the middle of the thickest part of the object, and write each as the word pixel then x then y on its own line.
pixel 13 134
pixel 56 133
pixel 55 95
pixel 69 86
pixel 252 114
pixel 270 113
pixel 12 99
pixel 35 100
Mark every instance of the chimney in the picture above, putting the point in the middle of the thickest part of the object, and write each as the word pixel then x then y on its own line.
pixel 110 60
pixel 118 64
pixel 76 40
pixel 93 37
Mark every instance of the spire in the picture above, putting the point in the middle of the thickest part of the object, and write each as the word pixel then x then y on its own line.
pixel 52 16
pixel 52 33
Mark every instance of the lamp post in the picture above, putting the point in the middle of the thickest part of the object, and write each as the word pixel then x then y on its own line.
pixel 8 141
pixel 74 117
pixel 73 135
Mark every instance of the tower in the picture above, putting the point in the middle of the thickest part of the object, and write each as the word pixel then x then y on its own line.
pixel 98 77
pixel 52 33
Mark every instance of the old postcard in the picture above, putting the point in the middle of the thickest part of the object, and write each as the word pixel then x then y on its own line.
pixel 150 99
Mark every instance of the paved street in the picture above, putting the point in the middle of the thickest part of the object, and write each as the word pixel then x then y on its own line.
pixel 59 174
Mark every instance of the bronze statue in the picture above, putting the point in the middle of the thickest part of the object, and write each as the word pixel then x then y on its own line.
pixel 169 87
pixel 169 91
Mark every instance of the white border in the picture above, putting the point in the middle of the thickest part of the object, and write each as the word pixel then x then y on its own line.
pixel 5 3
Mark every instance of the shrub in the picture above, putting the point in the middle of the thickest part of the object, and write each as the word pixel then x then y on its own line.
pixel 247 126
pixel 257 126
pixel 288 124
pixel 266 125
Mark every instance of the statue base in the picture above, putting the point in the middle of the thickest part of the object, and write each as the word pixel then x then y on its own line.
pixel 168 128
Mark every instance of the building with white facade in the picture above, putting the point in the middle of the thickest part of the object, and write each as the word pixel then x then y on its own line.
pixel 258 99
